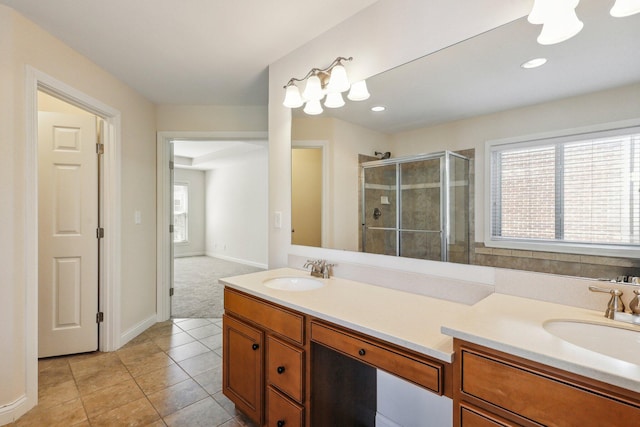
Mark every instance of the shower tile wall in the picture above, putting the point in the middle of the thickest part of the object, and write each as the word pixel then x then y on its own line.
pixel 381 183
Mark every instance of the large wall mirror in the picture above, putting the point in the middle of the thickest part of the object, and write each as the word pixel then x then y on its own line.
pixel 442 108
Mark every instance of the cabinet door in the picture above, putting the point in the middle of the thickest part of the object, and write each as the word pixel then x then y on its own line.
pixel 242 367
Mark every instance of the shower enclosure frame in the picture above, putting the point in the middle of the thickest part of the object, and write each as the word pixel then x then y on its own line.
pixel 445 208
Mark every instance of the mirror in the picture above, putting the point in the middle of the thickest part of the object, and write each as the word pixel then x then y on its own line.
pixel 460 97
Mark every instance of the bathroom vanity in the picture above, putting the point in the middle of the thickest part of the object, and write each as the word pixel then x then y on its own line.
pixel 282 347
pixel 297 357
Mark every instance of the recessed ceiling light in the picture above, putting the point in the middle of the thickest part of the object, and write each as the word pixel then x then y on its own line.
pixel 534 63
pixel 378 108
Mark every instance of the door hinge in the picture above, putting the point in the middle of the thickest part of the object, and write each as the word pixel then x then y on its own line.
pixel 99 317
pixel 170 228
pixel 170 292
pixel 171 165
pixel 100 148
pixel 100 233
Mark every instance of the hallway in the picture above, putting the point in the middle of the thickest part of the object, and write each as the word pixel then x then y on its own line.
pixel 170 375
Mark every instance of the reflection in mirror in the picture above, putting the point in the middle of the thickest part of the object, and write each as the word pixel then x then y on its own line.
pixel 417 207
pixel 457 99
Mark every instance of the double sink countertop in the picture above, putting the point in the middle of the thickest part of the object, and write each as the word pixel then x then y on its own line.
pixel 428 325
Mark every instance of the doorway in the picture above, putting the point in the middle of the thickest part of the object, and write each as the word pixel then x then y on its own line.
pixel 224 175
pixel 69 241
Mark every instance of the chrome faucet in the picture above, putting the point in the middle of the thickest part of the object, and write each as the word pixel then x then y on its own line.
pixel 319 268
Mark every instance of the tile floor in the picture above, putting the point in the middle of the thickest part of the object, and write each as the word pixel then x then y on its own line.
pixel 170 375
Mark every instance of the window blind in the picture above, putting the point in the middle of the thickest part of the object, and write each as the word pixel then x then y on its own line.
pixel 580 190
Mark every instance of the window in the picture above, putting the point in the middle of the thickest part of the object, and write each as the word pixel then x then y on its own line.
pixel 180 213
pixel 573 193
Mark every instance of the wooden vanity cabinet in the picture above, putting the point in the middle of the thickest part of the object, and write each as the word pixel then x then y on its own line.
pixel 492 388
pixel 268 362
pixel 264 360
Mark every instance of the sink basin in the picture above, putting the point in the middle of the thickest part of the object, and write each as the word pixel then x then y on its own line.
pixel 620 343
pixel 295 284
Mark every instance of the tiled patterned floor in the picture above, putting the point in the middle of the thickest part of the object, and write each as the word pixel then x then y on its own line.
pixel 170 375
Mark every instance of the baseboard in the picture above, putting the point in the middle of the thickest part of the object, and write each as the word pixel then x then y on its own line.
pixel 188 254
pixel 137 329
pixel 14 410
pixel 238 260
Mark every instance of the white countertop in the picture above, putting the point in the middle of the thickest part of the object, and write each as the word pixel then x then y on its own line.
pixel 515 325
pixel 426 325
pixel 409 320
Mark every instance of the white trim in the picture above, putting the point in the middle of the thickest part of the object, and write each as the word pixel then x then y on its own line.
pixel 189 254
pixel 561 135
pixel 326 175
pixel 163 243
pixel 110 291
pixel 137 329
pixel 237 260
pixel 14 410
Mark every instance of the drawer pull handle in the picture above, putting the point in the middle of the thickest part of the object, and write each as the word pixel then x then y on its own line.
pixel 361 352
pixel 280 423
pixel 280 369
pixel 255 346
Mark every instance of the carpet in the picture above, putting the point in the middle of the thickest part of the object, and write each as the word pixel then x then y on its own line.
pixel 196 289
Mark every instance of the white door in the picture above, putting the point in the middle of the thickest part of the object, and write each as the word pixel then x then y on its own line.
pixel 67 241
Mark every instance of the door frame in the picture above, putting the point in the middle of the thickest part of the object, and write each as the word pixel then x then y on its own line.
pixel 109 293
pixel 163 186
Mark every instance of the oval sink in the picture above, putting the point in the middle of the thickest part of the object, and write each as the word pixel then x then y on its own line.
pixel 293 283
pixel 620 343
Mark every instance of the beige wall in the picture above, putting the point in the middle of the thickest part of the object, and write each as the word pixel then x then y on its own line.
pixel 209 118
pixel 344 142
pixel 22 43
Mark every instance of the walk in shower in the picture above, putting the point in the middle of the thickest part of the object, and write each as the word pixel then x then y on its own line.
pixel 417 207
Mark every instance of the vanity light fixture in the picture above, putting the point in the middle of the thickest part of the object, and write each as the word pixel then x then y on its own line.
pixel 624 8
pixel 560 22
pixel 534 63
pixel 558 18
pixel 331 81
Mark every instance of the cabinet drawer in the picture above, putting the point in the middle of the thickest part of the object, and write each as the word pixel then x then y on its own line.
pixel 285 368
pixel 536 395
pixel 275 319
pixel 423 372
pixel 282 412
pixel 474 417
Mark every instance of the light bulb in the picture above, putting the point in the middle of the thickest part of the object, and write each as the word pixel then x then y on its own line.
pixel 624 8
pixel 313 108
pixel 313 89
pixel 292 98
pixel 359 91
pixel 338 82
pixel 334 100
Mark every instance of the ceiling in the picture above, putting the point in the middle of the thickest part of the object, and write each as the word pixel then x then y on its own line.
pixel 482 75
pixel 212 154
pixel 191 52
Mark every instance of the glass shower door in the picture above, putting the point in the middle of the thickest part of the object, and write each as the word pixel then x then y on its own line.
pixel 379 213
pixel 421 206
pixel 458 233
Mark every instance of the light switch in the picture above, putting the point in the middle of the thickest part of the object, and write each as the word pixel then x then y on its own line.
pixel 137 217
pixel 277 219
